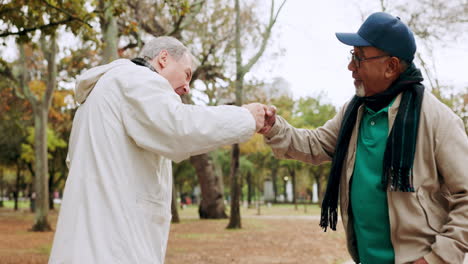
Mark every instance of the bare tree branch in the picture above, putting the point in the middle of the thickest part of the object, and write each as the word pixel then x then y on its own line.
pixel 266 35
pixel 27 30
pixel 151 26
pixel 6 10
pixel 5 72
pixel 26 93
pixel 66 13
pixel 184 21
pixel 383 5
pixel 426 70
pixel 128 46
pixel 194 10
pixel 49 48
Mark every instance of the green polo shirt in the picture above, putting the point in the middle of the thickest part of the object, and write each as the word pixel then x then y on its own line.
pixel 368 199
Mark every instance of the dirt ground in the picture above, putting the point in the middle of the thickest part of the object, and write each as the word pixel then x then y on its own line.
pixel 281 238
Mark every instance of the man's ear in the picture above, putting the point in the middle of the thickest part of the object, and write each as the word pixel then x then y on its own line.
pixel 393 68
pixel 162 59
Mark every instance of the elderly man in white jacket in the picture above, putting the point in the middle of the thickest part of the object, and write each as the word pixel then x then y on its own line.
pixel 131 123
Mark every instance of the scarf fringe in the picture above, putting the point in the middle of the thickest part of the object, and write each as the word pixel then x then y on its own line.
pixel 329 216
pixel 401 180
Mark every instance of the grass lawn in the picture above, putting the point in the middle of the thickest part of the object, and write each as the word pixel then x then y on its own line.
pixel 191 211
pixel 282 239
pixel 11 204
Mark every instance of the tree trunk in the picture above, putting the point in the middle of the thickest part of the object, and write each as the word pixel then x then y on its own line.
pixel 17 185
pixel 51 191
pixel 258 196
pixel 109 32
pixel 241 70
pixel 174 211
pixel 32 198
pixel 317 180
pixel 41 222
pixel 249 189
pixel 211 205
pixel 1 187
pixel 293 177
pixel 274 178
pixel 212 201
pixel 285 193
pixel 40 110
pixel 235 219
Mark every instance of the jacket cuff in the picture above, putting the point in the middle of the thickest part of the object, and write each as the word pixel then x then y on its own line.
pixel 273 131
pixel 433 258
pixel 250 128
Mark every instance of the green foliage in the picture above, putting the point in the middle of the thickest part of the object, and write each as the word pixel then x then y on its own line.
pixel 24 17
pixel 13 118
pixel 185 177
pixel 311 112
pixel 284 106
pixel 10 142
pixel 222 160
pixel 53 142
pixel 246 166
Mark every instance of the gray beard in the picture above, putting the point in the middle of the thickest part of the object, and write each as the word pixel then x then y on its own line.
pixel 360 90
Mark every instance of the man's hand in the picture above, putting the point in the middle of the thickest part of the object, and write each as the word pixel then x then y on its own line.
pixel 420 261
pixel 270 119
pixel 258 112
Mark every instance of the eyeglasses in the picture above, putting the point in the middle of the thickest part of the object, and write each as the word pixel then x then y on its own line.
pixel 357 60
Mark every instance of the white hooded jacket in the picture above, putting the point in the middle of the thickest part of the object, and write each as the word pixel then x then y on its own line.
pixel 128 128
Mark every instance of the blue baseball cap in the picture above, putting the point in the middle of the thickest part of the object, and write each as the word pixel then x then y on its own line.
pixel 385 32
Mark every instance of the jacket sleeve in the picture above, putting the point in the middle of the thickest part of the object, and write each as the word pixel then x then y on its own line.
pixel 451 155
pixel 156 119
pixel 312 146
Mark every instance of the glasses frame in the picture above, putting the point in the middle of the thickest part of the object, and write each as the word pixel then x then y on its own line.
pixel 357 60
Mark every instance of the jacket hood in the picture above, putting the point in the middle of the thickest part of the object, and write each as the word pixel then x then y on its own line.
pixel 86 81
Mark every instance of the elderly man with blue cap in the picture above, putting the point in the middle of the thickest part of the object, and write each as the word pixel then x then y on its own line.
pixel 399 156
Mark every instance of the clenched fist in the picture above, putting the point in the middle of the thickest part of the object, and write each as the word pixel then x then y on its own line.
pixel 270 119
pixel 258 112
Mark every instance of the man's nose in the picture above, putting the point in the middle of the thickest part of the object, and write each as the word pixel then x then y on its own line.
pixel 351 65
pixel 186 88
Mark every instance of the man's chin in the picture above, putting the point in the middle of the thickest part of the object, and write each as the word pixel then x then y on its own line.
pixel 360 91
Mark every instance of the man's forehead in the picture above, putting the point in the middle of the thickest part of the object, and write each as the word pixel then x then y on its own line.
pixel 367 49
pixel 186 61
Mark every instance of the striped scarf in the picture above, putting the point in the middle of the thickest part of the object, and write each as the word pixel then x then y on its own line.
pixel 144 63
pixel 401 143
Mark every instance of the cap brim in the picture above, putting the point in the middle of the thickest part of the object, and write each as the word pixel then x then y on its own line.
pixel 352 39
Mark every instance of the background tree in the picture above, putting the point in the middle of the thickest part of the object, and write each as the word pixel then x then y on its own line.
pixel 241 71
pixel 54 143
pixel 28 18
pixel 252 163
pixel 284 105
pixel 40 104
pixel 291 168
pixel 13 135
pixel 23 18
pixel 108 15
pixel 311 113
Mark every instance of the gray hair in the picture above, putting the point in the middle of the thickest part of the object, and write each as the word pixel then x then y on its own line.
pixel 173 46
pixel 152 49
